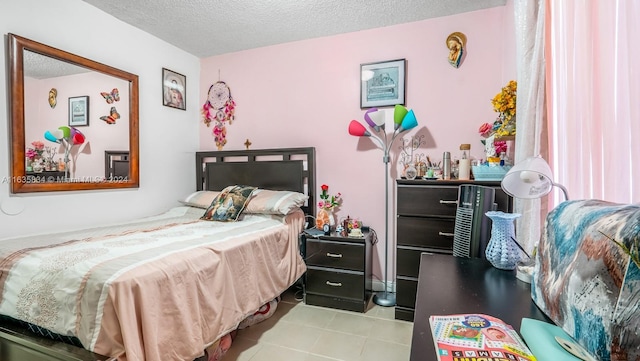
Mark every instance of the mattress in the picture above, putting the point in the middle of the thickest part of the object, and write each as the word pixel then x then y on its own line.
pixel 161 288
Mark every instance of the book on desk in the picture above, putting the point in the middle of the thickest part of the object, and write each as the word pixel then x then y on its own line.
pixel 466 337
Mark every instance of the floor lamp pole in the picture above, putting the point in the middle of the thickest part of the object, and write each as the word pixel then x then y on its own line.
pixel 386 299
pixel 403 120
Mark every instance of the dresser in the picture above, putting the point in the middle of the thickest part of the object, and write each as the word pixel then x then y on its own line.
pixel 338 271
pixel 425 221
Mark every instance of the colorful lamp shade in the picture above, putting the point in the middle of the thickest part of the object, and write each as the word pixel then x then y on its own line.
pixel 76 137
pixel 399 113
pixel 358 130
pixel 409 121
pixel 378 118
pixel 368 119
pixel 50 137
pixel 530 179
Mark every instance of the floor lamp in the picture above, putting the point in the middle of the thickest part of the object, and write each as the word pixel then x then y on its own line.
pixel 403 120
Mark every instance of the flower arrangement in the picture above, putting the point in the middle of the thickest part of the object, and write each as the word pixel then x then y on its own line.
pixel 328 202
pixel 35 152
pixel 504 103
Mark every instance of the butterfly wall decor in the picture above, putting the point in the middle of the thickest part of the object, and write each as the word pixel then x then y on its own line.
pixel 111 118
pixel 111 97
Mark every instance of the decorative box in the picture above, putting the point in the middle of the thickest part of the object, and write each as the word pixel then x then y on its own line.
pixel 489 172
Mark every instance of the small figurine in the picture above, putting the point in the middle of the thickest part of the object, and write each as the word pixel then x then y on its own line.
pixel 456 42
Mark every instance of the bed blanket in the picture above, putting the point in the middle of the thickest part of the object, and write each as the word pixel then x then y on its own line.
pixel 585 283
pixel 163 288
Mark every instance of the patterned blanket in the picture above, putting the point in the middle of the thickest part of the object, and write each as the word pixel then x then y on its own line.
pixel 163 288
pixel 585 283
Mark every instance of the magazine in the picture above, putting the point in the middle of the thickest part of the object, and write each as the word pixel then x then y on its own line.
pixel 476 337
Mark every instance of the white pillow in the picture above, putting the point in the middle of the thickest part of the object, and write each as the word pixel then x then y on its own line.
pixel 199 199
pixel 266 201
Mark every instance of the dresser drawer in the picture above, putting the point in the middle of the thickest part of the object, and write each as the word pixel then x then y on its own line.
pixel 408 263
pixel 334 283
pixel 406 292
pixel 425 232
pixel 427 200
pixel 350 256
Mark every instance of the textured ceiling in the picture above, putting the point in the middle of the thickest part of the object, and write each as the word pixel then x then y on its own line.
pixel 211 27
pixel 42 67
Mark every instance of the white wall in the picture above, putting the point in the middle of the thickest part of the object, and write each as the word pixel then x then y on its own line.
pixel 168 136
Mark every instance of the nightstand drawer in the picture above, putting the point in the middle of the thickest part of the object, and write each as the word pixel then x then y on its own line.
pixel 427 201
pixel 425 232
pixel 350 256
pixel 334 283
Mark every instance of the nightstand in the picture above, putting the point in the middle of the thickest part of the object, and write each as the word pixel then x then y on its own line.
pixel 338 271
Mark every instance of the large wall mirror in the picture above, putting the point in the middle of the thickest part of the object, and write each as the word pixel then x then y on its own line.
pixel 68 116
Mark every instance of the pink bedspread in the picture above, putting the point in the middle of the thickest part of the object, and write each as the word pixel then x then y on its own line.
pixel 160 289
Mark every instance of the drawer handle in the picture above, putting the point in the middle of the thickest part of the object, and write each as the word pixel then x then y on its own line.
pixel 334 284
pixel 333 255
pixel 445 234
pixel 448 202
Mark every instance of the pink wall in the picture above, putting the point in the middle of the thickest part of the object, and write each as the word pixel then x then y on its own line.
pixel 100 136
pixel 305 93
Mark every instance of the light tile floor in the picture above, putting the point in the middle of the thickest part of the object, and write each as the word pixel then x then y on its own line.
pixel 299 332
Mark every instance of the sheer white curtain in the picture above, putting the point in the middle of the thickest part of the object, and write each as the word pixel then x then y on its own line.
pixel 531 137
pixel 593 76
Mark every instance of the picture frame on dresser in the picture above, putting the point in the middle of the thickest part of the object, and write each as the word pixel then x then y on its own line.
pixel 383 83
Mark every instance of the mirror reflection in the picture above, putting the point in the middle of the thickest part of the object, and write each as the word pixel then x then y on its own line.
pixel 63 100
pixel 69 116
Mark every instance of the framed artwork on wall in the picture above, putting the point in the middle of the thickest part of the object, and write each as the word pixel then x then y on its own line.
pixel 382 83
pixel 79 111
pixel 174 89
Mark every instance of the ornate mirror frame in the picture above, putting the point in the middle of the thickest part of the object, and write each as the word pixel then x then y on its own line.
pixel 19 181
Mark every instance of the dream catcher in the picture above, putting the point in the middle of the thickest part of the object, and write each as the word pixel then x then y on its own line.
pixel 219 109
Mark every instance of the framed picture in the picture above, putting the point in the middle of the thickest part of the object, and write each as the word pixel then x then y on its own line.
pixel 174 89
pixel 79 111
pixel 382 83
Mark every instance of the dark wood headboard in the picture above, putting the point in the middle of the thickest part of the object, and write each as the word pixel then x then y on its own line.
pixel 292 169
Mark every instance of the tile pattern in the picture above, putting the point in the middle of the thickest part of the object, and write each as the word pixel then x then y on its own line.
pixel 299 332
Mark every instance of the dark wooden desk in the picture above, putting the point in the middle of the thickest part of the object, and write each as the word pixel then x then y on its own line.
pixel 453 285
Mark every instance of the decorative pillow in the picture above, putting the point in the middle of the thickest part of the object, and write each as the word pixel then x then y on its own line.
pixel 275 202
pixel 199 199
pixel 229 204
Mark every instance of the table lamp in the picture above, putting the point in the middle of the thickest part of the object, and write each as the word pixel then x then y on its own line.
pixel 530 179
pixel 403 120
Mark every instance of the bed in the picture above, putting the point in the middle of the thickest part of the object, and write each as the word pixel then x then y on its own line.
pixel 169 286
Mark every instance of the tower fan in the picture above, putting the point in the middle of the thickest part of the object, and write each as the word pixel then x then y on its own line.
pixel 473 228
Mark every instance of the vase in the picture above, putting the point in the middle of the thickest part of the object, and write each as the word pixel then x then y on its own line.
pixel 502 251
pixel 324 216
pixel 411 172
pixel 37 166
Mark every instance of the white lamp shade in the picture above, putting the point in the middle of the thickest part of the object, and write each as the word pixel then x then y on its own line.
pixel 378 117
pixel 528 179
